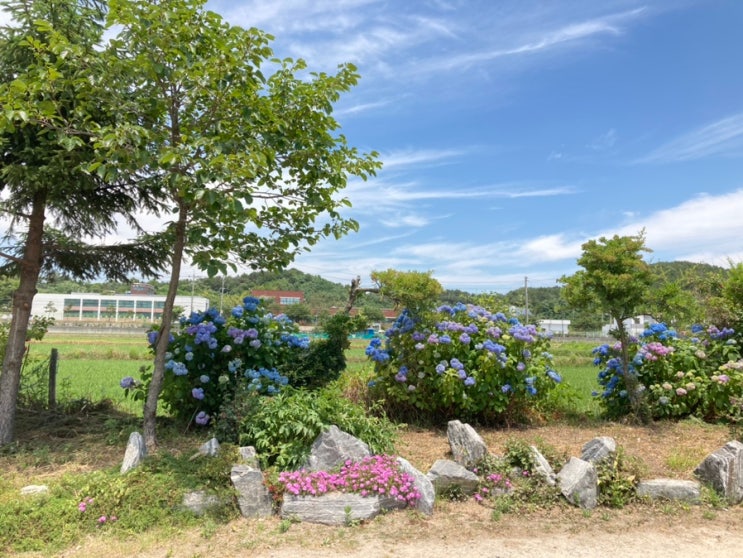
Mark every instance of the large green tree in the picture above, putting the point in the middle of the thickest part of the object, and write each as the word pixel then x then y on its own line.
pixel 50 72
pixel 616 279
pixel 417 291
pixel 246 146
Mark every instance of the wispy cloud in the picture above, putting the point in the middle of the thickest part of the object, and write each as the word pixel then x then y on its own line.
pixel 366 107
pixel 410 220
pixel 376 197
pixel 543 41
pixel 604 141
pixel 408 158
pixel 721 138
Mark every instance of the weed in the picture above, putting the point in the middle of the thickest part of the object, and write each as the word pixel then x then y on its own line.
pixel 685 460
pixel 714 499
pixel 453 493
pixel 285 525
pixel 618 476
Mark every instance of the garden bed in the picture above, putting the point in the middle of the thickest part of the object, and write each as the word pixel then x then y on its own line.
pixel 665 449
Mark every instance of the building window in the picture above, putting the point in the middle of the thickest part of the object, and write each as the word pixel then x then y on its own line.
pixel 288 300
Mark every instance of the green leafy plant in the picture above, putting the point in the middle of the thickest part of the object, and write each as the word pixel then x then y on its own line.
pixel 699 375
pixel 212 357
pixel 464 362
pixel 282 428
pixel 618 476
pixel 325 359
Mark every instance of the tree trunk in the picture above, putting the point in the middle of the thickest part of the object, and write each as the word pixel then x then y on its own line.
pixel 631 382
pixel 30 267
pixel 354 292
pixel 158 374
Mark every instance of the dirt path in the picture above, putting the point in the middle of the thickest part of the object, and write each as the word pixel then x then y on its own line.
pixel 458 530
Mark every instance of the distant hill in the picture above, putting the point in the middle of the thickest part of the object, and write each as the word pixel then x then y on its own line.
pixel 321 294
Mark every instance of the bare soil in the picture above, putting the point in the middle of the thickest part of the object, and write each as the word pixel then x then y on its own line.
pixel 670 450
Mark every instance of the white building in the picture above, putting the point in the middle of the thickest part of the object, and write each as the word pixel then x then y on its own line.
pixel 556 327
pixel 110 308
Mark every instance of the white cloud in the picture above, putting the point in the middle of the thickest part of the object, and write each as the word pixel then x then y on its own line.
pixel 366 107
pixel 410 220
pixel 721 138
pixel 412 157
pixel 604 141
pixel 703 225
pixel 541 40
pixel 552 247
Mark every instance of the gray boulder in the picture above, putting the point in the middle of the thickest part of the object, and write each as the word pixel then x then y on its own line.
pixel 248 456
pixel 136 451
pixel 578 482
pixel 199 502
pixel 542 467
pixel 34 489
pixel 467 446
pixel 253 497
pixel 446 474
pixel 723 470
pixel 334 447
pixel 670 489
pixel 599 449
pixel 423 484
pixel 334 508
pixel 210 448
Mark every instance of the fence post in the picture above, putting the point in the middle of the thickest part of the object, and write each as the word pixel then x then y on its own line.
pixel 53 360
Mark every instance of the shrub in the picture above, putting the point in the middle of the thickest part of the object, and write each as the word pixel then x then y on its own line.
pixel 211 357
pixel 282 428
pixel 679 376
pixel 326 358
pixel 463 362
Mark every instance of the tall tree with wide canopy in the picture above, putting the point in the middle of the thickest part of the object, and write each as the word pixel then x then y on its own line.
pixel 51 107
pixel 251 164
pixel 616 279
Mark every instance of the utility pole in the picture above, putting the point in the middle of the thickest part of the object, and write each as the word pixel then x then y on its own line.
pixel 221 294
pixel 526 299
pixel 193 286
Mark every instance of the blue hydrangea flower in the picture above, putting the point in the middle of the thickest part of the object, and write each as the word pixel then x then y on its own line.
pixel 128 382
pixel 198 393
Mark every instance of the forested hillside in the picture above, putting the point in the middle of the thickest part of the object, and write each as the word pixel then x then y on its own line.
pixel 682 290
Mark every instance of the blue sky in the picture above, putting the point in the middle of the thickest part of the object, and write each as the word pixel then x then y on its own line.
pixel 513 131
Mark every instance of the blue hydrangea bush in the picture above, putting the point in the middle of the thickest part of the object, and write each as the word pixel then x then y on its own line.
pixel 463 362
pixel 700 374
pixel 212 357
